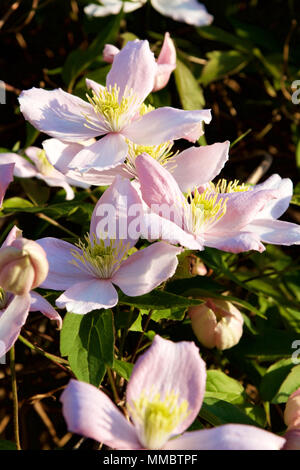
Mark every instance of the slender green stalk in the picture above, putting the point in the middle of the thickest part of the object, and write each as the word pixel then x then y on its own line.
pixel 56 224
pixel 142 335
pixel 113 385
pixel 52 357
pixel 15 397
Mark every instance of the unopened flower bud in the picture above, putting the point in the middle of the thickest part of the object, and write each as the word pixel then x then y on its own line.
pixel 292 410
pixel 23 266
pixel 109 53
pixel 217 323
pixel 189 265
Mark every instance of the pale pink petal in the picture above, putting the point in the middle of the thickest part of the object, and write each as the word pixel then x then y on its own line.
pixel 59 182
pixel 104 154
pixel 88 295
pixel 112 7
pixel 11 237
pixel 284 189
pixel 242 208
pixel 62 273
pixel 159 189
pixel 155 227
pixel 188 11
pixel 235 242
pixel 98 177
pixel 166 62
pixel 6 177
pixel 90 413
pixel 39 304
pixel 227 437
pixel 12 319
pixel 133 69
pixel 114 213
pixel 96 87
pixel 60 114
pixel 146 269
pixel 276 232
pixel 109 53
pixel 198 165
pixel 170 367
pixel 22 169
pixel 167 123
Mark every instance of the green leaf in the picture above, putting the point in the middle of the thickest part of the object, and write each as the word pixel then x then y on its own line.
pixel 78 60
pixel 190 93
pixel 218 412
pixel 123 368
pixel 217 34
pixel 88 341
pixel 221 64
pixel 219 385
pixel 274 377
pixel 16 203
pixel 35 190
pixel 157 300
pixel 290 384
pixel 7 445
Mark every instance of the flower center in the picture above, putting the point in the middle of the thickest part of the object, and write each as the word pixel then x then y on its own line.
pixel 43 164
pixel 113 110
pixel 156 418
pixel 101 258
pixel 224 186
pixel 204 210
pixel 161 153
pixel 3 299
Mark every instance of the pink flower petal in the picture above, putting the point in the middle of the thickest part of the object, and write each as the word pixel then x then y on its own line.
pixel 22 169
pixel 276 232
pixel 227 437
pixel 170 367
pixel 284 189
pixel 88 295
pixel 96 87
pixel 104 154
pixel 62 273
pixel 111 217
pixel 12 319
pixel 90 413
pixel 6 177
pixel 198 165
pixel 188 11
pixel 134 68
pixel 39 304
pixel 146 269
pixel 109 53
pixel 165 124
pixel 166 62
pixel 159 189
pixel 60 114
pixel 235 242
pixel 12 236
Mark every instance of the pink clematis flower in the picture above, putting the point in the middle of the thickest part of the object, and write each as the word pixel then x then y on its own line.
pixel 188 11
pixel 14 309
pixel 6 177
pixel 192 167
pixel 163 398
pixel 88 271
pixel 166 61
pixel 114 113
pixel 227 216
pixel 42 169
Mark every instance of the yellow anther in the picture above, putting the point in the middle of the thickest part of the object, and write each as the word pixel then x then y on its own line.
pixel 99 257
pixel 204 209
pixel 156 417
pixel 3 299
pixel 224 186
pixel 161 153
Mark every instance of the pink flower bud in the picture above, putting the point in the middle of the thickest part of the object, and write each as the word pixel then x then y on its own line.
pixel 292 437
pixel 217 323
pixel 23 266
pixel 166 63
pixel 292 411
pixel 109 53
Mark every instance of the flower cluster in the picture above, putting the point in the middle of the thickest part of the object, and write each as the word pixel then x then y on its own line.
pixel 170 199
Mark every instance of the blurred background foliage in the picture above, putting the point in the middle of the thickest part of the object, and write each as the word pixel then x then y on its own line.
pixel 242 67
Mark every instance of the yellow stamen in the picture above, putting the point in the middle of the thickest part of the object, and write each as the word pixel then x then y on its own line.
pixel 3 299
pixel 224 186
pixel 113 110
pixel 161 153
pixel 204 209
pixel 101 258
pixel 156 417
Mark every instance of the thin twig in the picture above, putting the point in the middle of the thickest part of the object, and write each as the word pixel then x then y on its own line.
pixel 142 335
pixel 58 360
pixel 261 169
pixel 15 397
pixel 286 51
pixel 56 224
pixel 113 385
pixel 9 12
